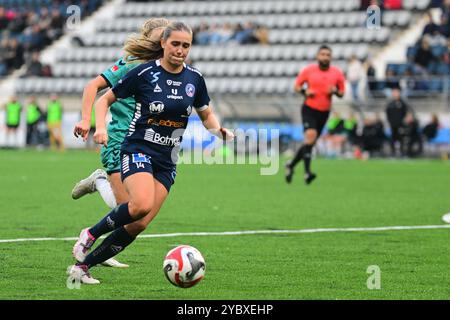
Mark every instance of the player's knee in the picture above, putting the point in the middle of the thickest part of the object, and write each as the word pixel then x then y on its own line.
pixel 139 209
pixel 310 137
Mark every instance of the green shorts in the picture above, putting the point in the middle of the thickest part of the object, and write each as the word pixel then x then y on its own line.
pixel 110 156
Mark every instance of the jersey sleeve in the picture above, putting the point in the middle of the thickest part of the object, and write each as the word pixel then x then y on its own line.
pixel 201 100
pixel 301 77
pixel 127 86
pixel 117 71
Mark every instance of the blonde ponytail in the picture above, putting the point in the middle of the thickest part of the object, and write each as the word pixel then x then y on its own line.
pixel 146 46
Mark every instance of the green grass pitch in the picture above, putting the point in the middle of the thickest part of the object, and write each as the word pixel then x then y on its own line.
pixel 35 203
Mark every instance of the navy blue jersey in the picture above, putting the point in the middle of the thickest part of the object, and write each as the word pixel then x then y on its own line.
pixel 164 102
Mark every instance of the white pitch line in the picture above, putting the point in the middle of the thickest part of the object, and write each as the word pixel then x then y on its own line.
pixel 250 232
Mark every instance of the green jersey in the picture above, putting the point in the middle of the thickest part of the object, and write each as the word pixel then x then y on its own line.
pixel 54 112
pixel 13 110
pixel 33 113
pixel 121 111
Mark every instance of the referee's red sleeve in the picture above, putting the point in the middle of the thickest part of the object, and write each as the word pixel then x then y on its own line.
pixel 301 78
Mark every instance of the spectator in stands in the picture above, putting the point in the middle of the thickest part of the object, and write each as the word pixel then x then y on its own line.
pixel 245 33
pixel 445 19
pixel 33 115
pixel 430 131
pixel 18 24
pixel 34 68
pixel 364 4
pixel 4 21
pixel 411 140
pixel 262 34
pixel 392 83
pixel 392 4
pixel 54 123
pixel 56 25
pixel 3 67
pixel 424 57
pixel 396 111
pixel 13 55
pixel 371 78
pixel 222 34
pixel 35 28
pixel 13 112
pixel 202 34
pixel 355 74
pixel 372 137
pixel 430 27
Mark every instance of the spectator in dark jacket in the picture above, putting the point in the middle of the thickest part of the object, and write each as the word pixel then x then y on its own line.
pixel 396 111
pixel 424 57
pixel 411 140
pixel 431 129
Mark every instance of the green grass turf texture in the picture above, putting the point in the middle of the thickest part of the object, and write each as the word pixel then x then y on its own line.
pixel 35 202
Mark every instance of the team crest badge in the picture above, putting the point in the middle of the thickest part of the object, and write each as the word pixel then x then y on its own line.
pixel 190 90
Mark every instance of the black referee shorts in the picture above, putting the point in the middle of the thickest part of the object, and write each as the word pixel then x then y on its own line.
pixel 314 119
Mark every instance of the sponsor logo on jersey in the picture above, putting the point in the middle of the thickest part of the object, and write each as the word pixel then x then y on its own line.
pixel 156 107
pixel 155 137
pixel 157 88
pixel 155 76
pixel 190 90
pixel 165 123
pixel 173 83
pixel 114 68
pixel 174 97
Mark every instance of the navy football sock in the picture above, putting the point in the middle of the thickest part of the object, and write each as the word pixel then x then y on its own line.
pixel 111 246
pixel 119 216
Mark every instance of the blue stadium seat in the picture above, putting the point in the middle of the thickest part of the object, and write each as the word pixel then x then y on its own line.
pixel 443 137
pixel 411 52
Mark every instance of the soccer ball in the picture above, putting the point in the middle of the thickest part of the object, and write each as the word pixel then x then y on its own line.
pixel 184 266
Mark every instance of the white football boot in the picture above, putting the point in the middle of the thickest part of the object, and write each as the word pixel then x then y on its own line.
pixel 81 274
pixel 111 262
pixel 87 185
pixel 83 245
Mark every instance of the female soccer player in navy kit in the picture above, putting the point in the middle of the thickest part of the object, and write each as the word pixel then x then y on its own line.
pixel 165 91
pixel 138 48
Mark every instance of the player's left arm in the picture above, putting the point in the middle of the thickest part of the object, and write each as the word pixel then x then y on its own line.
pixel 339 89
pixel 211 123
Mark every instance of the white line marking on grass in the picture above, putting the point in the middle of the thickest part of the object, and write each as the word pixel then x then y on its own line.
pixel 250 232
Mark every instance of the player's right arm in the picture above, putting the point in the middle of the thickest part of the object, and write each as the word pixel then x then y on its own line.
pixel 301 79
pixel 89 93
pixel 101 108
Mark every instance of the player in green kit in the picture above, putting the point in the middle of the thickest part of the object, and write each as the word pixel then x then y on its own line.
pixel 138 49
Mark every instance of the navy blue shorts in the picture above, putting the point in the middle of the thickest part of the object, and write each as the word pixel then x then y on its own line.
pixel 140 162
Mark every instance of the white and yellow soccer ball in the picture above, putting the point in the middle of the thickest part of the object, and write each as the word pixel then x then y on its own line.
pixel 184 266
